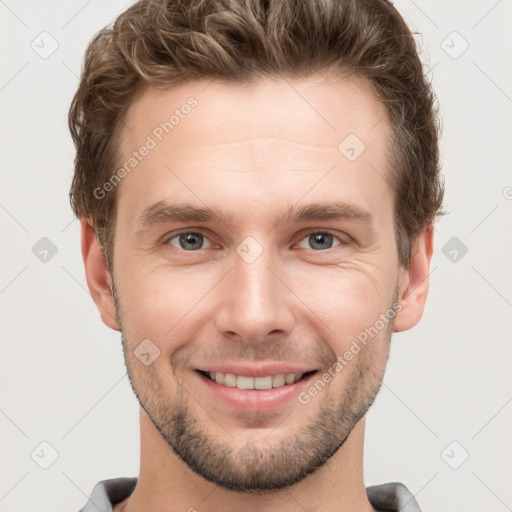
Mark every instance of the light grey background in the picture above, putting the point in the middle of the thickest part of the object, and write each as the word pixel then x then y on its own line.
pixel 63 379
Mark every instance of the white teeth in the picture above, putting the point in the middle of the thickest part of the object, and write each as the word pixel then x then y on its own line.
pixel 230 380
pixel 278 380
pixel 263 382
pixel 290 378
pixel 243 382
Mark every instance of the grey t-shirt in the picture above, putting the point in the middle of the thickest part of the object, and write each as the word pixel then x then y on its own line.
pixel 391 497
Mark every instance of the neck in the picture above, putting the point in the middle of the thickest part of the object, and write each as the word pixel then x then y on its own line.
pixel 167 484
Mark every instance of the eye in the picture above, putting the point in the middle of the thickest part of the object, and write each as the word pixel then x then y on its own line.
pixel 187 240
pixel 321 240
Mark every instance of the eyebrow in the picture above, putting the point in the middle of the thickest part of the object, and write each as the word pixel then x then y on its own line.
pixel 163 212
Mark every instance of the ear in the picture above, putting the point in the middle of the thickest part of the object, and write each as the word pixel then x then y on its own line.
pixel 414 282
pixel 98 277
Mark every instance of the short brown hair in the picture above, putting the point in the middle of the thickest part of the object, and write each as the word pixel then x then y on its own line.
pixel 169 42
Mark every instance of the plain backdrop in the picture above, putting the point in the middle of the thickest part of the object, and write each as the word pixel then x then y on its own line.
pixel 441 423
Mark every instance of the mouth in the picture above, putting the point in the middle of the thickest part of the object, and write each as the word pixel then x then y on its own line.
pixel 255 389
pixel 243 382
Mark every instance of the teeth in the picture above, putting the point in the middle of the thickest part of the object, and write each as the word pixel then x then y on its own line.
pixel 230 380
pixel 278 380
pixel 290 378
pixel 245 382
pixel 242 382
pixel 263 382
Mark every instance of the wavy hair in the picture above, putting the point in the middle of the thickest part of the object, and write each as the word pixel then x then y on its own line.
pixel 168 42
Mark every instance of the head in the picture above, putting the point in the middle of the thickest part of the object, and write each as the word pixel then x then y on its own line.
pixel 257 182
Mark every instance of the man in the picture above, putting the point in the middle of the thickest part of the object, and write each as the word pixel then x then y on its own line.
pixel 257 184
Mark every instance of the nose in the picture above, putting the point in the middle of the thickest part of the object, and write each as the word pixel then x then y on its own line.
pixel 255 301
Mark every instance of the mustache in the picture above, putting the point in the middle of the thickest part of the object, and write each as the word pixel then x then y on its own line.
pixel 298 352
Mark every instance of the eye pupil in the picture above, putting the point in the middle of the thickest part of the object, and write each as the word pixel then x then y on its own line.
pixel 190 241
pixel 190 238
pixel 322 239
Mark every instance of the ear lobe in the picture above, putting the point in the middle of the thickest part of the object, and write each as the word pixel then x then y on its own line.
pixel 98 277
pixel 415 282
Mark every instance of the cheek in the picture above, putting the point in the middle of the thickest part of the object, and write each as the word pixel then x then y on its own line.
pixel 173 307
pixel 343 301
pixel 166 305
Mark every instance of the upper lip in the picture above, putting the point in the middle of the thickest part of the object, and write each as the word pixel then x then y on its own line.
pixel 256 370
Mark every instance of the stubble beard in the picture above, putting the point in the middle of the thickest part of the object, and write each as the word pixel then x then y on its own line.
pixel 264 468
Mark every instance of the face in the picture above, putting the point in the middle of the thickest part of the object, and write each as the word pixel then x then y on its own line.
pixel 256 239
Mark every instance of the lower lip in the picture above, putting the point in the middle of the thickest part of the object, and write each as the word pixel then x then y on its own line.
pixel 255 400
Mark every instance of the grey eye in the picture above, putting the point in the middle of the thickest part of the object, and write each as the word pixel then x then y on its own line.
pixel 320 241
pixel 188 241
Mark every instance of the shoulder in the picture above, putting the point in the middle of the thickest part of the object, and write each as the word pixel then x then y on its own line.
pixel 107 493
pixel 392 496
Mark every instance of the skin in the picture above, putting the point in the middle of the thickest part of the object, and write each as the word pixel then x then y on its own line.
pixel 252 152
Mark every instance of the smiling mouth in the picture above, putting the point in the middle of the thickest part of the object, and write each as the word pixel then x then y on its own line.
pixel 257 383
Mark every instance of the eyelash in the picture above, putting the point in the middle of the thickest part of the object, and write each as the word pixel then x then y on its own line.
pixel 167 239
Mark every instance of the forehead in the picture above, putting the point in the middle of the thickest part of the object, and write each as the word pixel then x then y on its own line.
pixel 325 106
pixel 267 139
